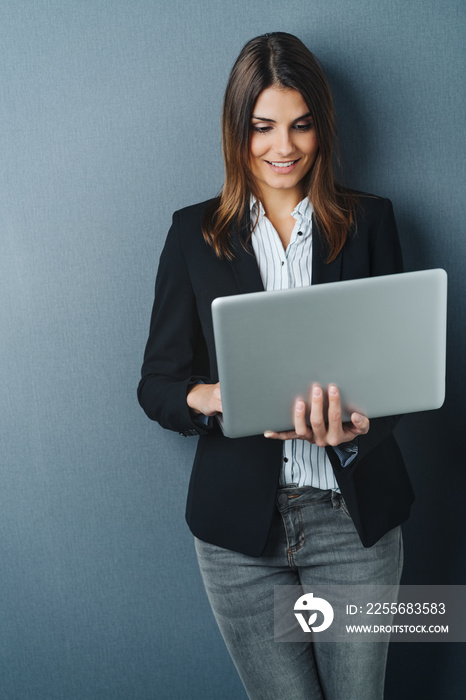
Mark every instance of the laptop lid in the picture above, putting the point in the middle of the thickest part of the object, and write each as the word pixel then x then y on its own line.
pixel 381 340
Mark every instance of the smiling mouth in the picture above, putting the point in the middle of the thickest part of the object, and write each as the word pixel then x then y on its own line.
pixel 280 164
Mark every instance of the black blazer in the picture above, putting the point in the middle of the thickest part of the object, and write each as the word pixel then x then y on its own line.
pixel 234 482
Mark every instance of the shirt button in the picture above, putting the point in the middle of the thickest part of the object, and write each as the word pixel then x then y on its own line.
pixel 283 262
pixel 285 459
pixel 300 233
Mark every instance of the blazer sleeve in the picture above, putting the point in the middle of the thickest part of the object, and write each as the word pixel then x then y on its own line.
pixel 385 258
pixel 175 348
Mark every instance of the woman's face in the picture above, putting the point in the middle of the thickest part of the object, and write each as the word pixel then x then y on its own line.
pixel 283 143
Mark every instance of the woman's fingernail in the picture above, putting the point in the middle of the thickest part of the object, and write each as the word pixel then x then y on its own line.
pixel 332 390
pixel 268 433
pixel 300 406
pixel 316 392
pixel 357 418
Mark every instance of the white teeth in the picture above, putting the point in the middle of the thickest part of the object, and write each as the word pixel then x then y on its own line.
pixel 283 165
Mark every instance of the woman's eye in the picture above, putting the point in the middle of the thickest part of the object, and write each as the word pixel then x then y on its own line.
pixel 261 129
pixel 304 127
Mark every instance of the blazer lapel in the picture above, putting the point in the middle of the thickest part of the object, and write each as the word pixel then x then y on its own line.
pixel 323 272
pixel 244 264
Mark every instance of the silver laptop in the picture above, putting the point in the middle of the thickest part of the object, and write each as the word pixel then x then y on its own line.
pixel 381 340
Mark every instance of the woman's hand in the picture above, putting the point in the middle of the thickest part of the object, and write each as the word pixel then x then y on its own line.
pixel 323 432
pixel 205 398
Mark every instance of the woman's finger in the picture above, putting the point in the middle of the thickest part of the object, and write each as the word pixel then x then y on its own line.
pixel 317 416
pixel 284 435
pixel 302 430
pixel 334 431
pixel 361 423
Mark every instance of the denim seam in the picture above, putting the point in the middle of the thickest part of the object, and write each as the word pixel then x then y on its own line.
pixel 292 549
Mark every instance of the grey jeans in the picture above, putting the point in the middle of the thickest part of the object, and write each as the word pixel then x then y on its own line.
pixel 312 542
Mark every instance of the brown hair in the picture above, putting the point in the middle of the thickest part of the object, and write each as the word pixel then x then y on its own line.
pixel 279 59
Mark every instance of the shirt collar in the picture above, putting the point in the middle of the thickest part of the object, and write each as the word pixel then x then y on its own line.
pixel 255 206
pixel 303 209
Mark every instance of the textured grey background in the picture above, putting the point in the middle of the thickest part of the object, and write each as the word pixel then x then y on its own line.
pixel 109 120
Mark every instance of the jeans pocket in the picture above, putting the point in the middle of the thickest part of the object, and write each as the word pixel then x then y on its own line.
pixel 344 507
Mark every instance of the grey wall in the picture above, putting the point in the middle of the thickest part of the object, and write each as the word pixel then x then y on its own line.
pixel 109 120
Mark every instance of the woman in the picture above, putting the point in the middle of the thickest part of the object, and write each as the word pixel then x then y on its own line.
pixel 321 504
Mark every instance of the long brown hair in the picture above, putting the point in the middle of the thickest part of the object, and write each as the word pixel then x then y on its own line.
pixel 277 59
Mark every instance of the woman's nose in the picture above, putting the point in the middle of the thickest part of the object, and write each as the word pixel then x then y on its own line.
pixel 283 144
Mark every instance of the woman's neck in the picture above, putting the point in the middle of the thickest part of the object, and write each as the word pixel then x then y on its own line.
pixel 278 205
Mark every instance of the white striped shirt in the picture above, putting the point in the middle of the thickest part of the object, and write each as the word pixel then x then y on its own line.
pixel 303 464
